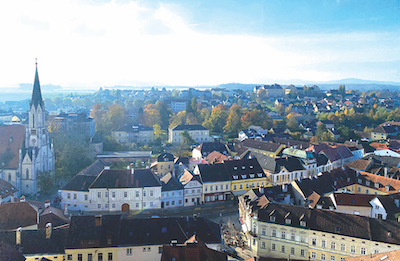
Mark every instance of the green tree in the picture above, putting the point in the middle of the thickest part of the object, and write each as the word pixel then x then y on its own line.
pixel 45 181
pixel 291 122
pixel 138 103
pixel 194 106
pixel 217 120
pixel 186 138
pixel 165 114
pixel 113 118
pixel 234 123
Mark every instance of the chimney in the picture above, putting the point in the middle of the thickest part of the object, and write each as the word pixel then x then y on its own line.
pixel 389 234
pixel 18 236
pixel 65 210
pixel 38 216
pixel 46 203
pixel 385 171
pixel 132 170
pixel 22 199
pixel 261 189
pixel 284 187
pixel 12 198
pixel 49 228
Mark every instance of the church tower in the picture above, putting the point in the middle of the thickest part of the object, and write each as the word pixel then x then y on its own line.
pixel 37 119
pixel 38 155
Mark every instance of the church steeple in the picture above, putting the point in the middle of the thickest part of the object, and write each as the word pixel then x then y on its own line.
pixel 36 93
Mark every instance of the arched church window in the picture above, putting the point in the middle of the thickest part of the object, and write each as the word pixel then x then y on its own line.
pixel 27 173
pixel 9 177
pixel 33 121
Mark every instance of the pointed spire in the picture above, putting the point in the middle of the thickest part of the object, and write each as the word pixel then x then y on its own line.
pixel 36 93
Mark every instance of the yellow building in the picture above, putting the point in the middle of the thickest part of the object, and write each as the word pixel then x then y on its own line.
pixel 287 231
pixel 266 148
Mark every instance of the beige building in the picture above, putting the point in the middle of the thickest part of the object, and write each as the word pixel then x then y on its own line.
pixel 287 231
pixel 133 134
pixel 197 132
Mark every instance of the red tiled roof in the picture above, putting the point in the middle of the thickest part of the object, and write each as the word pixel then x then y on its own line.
pixel 11 140
pixel 346 199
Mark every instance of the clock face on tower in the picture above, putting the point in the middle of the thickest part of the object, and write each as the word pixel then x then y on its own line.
pixel 33 140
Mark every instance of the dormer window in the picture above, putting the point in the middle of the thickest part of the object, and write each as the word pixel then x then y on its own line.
pixel 243 167
pixel 251 166
pixel 259 175
pixel 243 176
pixel 303 223
pixel 387 187
pixel 288 221
pixel 251 175
pixel 335 183
pixel 367 183
pixel 272 218
pixel 235 177
pixel 359 181
pixel 235 167
pixel 377 185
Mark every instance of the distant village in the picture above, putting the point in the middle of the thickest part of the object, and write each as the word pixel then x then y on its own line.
pixel 269 173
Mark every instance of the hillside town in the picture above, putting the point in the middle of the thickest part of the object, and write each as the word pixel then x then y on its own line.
pixel 269 173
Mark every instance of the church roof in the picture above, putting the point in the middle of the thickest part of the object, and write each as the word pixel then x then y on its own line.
pixel 36 93
pixel 11 140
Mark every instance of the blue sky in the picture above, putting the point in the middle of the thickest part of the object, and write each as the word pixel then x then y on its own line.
pixel 93 43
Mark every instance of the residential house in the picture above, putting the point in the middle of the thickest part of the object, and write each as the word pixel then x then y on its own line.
pixel 171 191
pixel 133 134
pixel 385 206
pixel 164 164
pixel 38 244
pixel 216 157
pixel 111 237
pixel 74 123
pixel 193 249
pixel 29 215
pixel 385 256
pixel 384 131
pixel 357 204
pixel 266 148
pixel 125 190
pixel 245 174
pixel 193 189
pixel 216 182
pixel 7 191
pixel 205 148
pixel 281 230
pixel 75 194
pixel 197 132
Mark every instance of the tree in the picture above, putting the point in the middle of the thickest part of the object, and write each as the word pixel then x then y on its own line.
pixel 342 89
pixel 165 114
pixel 234 123
pixel 138 103
pixel 194 106
pixel 217 120
pixel 291 122
pixel 186 138
pixel 45 181
pixel 151 115
pixel 113 118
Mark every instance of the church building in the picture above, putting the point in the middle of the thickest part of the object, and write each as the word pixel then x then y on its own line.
pixel 25 150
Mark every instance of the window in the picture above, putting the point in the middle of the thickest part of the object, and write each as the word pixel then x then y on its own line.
pixel 323 244
pixel 314 241
pixel 86 197
pixel 234 187
pixel 100 257
pixel 113 194
pixel 283 234
pixel 302 252
pixel 332 258
pixel 98 205
pixel 283 249
pixel 89 257
pixel 69 257
pixel 263 245
pixel 75 196
pixel 79 257
pixel 313 255
pixel 110 256
pixel 216 188
pixel 362 251
pixel 342 247
pixel 333 245
pixel 137 205
pixel 137 194
pixel 160 250
pixel 273 233
pixel 263 231
pixel 148 249
pixel 125 194
pixel 273 247
pixel 144 193
pixel 99 194
pixel 323 257
pixel 353 249
pixel 151 193
pixel 292 236
pixel 69 195
pixel 151 203
pixel 113 205
pixel 292 251
pixel 226 187
pixel 106 194
pixel 144 204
